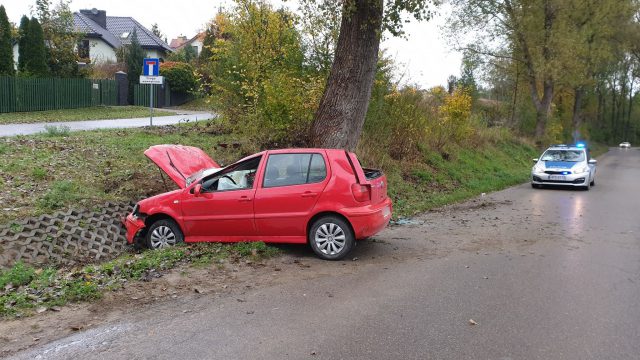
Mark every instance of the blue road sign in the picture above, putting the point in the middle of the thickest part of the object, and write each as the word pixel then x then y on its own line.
pixel 151 67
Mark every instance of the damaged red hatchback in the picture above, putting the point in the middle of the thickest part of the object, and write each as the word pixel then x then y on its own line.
pixel 322 197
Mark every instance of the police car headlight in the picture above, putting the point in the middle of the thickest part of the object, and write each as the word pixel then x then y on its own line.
pixel 538 168
pixel 582 170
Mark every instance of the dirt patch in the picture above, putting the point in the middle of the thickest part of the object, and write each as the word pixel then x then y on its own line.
pixel 176 288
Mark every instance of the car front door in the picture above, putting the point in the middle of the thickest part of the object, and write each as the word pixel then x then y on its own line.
pixel 223 210
pixel 291 186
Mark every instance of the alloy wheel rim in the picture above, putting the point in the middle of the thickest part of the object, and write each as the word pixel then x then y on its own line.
pixel 330 239
pixel 162 237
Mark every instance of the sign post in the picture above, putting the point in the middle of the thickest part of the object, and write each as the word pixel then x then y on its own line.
pixel 150 72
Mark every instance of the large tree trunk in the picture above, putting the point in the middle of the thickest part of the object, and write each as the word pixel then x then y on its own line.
pixel 577 106
pixel 341 113
pixel 543 107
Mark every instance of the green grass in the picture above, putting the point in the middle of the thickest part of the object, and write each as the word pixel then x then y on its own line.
pixel 24 289
pixel 199 104
pixel 91 113
pixel 85 169
pixel 468 171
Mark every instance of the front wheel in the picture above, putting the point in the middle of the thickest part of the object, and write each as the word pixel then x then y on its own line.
pixel 163 233
pixel 331 238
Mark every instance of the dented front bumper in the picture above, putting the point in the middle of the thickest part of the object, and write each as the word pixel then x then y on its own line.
pixel 133 225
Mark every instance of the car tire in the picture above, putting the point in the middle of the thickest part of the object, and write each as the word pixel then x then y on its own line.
pixel 162 234
pixel 535 186
pixel 593 182
pixel 331 238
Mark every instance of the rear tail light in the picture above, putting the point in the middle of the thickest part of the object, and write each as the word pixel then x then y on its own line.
pixel 361 192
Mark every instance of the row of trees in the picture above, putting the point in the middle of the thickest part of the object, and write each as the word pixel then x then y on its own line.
pixel 565 68
pixel 50 25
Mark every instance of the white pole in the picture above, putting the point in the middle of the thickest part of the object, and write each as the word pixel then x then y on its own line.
pixel 151 105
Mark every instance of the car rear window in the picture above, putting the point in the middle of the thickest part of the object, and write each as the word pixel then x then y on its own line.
pixel 294 169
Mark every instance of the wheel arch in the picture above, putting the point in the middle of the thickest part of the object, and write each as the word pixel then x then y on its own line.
pixel 149 220
pixel 317 216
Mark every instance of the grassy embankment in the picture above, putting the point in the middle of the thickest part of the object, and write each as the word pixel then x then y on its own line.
pixel 25 290
pixel 81 114
pixel 44 173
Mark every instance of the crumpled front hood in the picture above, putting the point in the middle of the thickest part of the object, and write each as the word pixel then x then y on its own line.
pixel 179 161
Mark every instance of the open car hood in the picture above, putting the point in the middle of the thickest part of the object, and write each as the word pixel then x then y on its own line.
pixel 179 161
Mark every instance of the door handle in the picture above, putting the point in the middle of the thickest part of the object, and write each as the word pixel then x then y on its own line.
pixel 244 198
pixel 309 194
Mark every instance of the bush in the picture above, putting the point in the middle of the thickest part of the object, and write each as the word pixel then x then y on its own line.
pixel 180 76
pixel 454 123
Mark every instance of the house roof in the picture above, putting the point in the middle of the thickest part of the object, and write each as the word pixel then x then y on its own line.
pixel 199 36
pixel 177 42
pixel 119 31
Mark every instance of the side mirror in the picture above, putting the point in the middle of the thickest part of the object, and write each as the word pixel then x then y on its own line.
pixel 535 160
pixel 197 190
pixel 593 161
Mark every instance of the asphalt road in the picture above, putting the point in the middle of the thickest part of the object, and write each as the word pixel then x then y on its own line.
pixel 35 128
pixel 545 274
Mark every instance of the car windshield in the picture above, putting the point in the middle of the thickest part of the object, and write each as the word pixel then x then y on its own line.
pixel 200 174
pixel 563 155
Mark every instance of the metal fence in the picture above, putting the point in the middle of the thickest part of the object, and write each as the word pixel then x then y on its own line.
pixel 161 95
pixel 26 94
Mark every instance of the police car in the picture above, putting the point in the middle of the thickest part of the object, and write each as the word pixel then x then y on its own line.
pixel 564 165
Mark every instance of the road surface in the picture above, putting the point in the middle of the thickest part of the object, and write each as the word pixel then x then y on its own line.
pixel 544 274
pixel 29 129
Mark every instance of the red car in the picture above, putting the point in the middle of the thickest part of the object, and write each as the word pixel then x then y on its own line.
pixel 322 197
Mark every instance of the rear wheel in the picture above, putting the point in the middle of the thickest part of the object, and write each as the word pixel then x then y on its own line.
pixel 163 233
pixel 331 238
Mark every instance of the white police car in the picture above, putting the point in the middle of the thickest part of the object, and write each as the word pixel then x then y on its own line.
pixel 564 165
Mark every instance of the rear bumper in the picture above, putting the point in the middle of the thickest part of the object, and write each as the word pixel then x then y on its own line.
pixel 133 226
pixel 369 220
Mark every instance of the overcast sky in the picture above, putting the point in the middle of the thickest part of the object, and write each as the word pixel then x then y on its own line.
pixel 423 58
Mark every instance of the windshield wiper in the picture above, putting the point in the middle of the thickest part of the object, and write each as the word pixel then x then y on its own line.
pixel 173 166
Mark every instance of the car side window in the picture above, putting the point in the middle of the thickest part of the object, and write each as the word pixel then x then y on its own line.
pixel 294 169
pixel 236 177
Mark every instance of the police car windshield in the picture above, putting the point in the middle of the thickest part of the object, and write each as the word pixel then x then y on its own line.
pixel 563 155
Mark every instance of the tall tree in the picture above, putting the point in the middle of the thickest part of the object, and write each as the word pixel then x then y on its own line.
pixel 340 116
pixel 6 50
pixel 60 35
pixel 320 25
pixel 524 31
pixel 598 33
pixel 134 57
pixel 36 53
pixel 23 33
pixel 155 29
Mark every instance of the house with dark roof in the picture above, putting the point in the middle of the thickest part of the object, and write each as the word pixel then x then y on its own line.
pixel 104 35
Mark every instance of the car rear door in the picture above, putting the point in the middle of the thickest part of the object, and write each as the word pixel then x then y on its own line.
pixel 291 185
